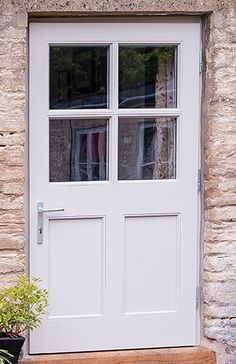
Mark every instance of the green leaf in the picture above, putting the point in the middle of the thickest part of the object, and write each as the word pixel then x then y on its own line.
pixel 3 358
pixel 22 305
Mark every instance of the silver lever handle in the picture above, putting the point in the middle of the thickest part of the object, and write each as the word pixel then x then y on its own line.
pixel 57 209
pixel 41 211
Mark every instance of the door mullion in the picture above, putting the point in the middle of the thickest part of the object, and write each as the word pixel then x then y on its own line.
pixel 115 108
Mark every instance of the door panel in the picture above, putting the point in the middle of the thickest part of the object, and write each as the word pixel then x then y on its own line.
pixel 114 114
pixel 150 285
pixel 81 243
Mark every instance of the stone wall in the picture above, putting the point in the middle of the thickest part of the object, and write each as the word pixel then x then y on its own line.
pixel 219 145
pixel 13 63
pixel 219 288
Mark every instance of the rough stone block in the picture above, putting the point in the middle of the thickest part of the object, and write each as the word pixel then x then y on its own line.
pixel 230 354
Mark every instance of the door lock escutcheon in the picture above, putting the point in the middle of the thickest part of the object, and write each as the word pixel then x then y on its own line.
pixel 42 211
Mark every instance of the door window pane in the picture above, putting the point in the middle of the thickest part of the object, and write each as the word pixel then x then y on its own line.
pixel 78 77
pixel 147 77
pixel 78 150
pixel 147 148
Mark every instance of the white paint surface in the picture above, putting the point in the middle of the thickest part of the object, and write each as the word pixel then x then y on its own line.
pixel 120 262
pixel 150 285
pixel 76 250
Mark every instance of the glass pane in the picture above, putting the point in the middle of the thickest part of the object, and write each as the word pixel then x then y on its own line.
pixel 78 77
pixel 78 150
pixel 147 77
pixel 147 148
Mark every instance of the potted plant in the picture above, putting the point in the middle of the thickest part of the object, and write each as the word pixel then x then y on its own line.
pixel 21 307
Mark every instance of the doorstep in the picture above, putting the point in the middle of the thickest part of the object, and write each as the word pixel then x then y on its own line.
pixel 189 355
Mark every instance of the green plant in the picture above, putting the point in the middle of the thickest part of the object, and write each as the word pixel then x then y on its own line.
pixel 22 305
pixel 3 356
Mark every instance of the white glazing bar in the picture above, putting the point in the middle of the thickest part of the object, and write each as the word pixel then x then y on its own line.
pixel 149 112
pixel 115 119
pixel 80 113
pixel 179 75
pixel 111 80
pixel 106 113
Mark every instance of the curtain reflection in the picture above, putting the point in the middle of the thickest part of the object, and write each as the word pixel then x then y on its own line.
pixel 89 148
pixel 78 150
pixel 147 148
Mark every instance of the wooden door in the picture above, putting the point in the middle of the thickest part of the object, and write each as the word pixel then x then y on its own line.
pixel 114 134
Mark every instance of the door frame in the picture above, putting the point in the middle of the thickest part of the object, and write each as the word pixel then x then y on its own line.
pixel 180 19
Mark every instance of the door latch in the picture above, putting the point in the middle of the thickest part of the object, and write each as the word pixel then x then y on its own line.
pixel 42 211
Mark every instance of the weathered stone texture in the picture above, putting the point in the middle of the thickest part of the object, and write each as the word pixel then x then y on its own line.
pixel 123 6
pixel 219 130
pixel 12 139
pixel 230 355
pixel 219 289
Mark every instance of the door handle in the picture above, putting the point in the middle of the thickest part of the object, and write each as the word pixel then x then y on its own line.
pixel 42 211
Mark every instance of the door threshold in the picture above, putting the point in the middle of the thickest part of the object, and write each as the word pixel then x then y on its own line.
pixel 186 355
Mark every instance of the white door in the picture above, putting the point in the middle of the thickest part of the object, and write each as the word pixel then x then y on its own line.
pixel 114 119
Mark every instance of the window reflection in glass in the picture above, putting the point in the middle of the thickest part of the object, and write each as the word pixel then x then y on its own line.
pixel 147 148
pixel 147 76
pixel 78 150
pixel 78 77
